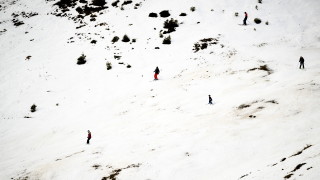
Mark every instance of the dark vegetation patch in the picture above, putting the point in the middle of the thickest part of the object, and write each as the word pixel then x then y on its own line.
pixel 81 59
pixel 21 178
pixel 115 39
pixel 299 152
pixel 3 31
pixel 33 108
pixel 96 166
pixel 244 176
pixel 243 106
pixel 109 65
pixel 183 14
pixel 152 14
pixel 126 2
pixel 288 176
pixel 93 42
pixel 98 2
pixel 257 20
pixel 298 167
pixel 116 172
pixel 192 9
pixel 170 25
pixel 28 58
pixel 115 3
pixel 262 68
pixel 128 66
pixel 137 5
pixel 204 43
pixel 309 168
pixel 125 38
pixel 272 101
pixel 17 22
pixel 164 13
pixel 166 40
pixel 80 26
pixel 117 57
pixel 65 4
pixel 84 9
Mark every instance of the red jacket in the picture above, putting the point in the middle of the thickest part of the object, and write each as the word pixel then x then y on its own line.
pixel 89 135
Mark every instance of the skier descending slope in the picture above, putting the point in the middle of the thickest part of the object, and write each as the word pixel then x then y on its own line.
pixel 89 137
pixel 245 18
pixel 301 60
pixel 210 100
pixel 156 72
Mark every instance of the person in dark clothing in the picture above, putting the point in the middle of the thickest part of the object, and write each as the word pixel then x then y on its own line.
pixel 301 60
pixel 156 72
pixel 245 18
pixel 210 100
pixel 89 137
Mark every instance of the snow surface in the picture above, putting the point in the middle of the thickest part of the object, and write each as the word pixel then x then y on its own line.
pixel 156 130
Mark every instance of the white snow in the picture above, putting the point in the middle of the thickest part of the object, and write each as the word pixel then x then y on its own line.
pixel 156 130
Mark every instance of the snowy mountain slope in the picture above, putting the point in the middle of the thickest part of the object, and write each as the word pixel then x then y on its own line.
pixel 265 108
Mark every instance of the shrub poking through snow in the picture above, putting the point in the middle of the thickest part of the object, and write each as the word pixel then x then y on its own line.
pixel 79 10
pixel 64 4
pixel 93 42
pixel 125 38
pixel 166 40
pixel 133 40
pixel 99 2
pixel 115 3
pixel 164 13
pixel 109 65
pixel 260 1
pixel 128 66
pixel 126 2
pixel 82 59
pixel 170 25
pixel 263 68
pixel 33 108
pixel 183 14
pixel 267 23
pixel 204 43
pixel 153 15
pixel 115 39
pixel 161 34
pixel 236 14
pixel 242 106
pixel 192 8
pixel 257 20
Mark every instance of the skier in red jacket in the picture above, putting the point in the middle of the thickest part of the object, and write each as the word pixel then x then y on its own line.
pixel 245 18
pixel 89 137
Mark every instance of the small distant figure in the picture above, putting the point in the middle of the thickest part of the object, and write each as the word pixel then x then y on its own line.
pixel 89 137
pixel 210 100
pixel 156 72
pixel 301 60
pixel 245 18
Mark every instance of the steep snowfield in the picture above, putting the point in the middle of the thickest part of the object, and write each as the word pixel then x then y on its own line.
pixel 264 123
